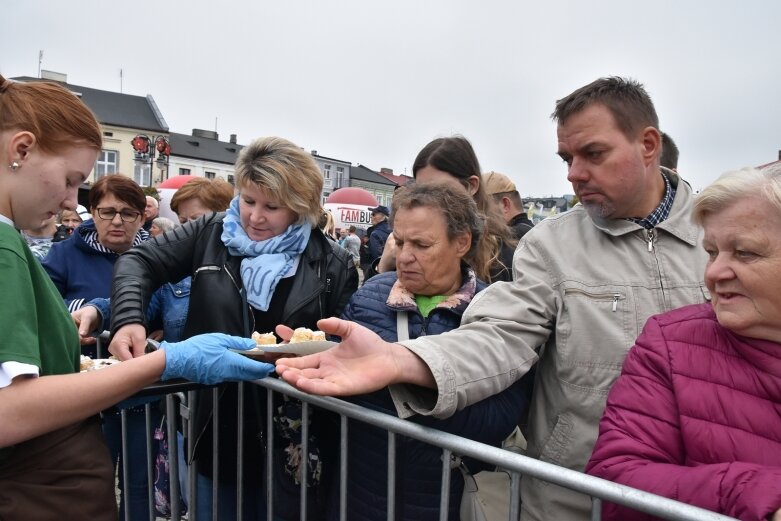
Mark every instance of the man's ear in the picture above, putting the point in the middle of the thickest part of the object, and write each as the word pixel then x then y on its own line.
pixel 507 205
pixel 651 142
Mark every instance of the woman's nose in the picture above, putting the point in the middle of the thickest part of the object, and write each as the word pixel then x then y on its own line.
pixel 719 269
pixel 404 255
pixel 257 216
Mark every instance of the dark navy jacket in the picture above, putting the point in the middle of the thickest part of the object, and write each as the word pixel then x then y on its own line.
pixel 419 466
pixel 377 239
pixel 81 272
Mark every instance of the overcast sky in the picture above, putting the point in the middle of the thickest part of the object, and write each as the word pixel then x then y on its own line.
pixel 373 82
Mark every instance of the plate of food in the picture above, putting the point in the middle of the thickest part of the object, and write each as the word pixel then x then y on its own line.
pixel 303 342
pixel 93 364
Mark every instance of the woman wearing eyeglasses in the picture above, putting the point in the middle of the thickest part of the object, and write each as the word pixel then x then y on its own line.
pixel 81 269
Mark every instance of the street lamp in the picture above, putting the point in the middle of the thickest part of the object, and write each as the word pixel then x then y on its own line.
pixel 145 154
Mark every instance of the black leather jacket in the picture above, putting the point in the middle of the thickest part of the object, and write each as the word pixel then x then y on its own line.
pixel 324 282
pixel 322 286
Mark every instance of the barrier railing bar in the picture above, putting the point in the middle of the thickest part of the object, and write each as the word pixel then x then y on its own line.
pixel 391 476
pixel 150 477
pixel 599 489
pixel 240 452
pixel 188 429
pixel 444 490
pixel 515 496
pixel 303 465
pixel 173 456
pixel 343 467
pixel 577 481
pixel 215 453
pixel 596 509
pixel 125 471
pixel 269 441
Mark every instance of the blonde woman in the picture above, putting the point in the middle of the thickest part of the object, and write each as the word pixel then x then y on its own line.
pixel 263 262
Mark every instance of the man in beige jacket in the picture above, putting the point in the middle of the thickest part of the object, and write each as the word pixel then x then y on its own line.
pixel 585 283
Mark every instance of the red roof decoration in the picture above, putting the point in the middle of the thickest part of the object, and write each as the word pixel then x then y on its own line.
pixel 176 182
pixel 352 195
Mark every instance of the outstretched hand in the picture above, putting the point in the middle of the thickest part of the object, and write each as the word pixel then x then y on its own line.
pixel 361 363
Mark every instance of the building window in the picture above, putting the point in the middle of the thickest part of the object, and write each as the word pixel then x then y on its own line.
pixel 231 179
pixel 339 176
pixel 326 172
pixel 210 175
pixel 106 163
pixel 142 174
pixel 184 171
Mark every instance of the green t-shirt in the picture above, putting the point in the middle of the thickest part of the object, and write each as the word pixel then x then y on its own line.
pixel 426 304
pixel 35 325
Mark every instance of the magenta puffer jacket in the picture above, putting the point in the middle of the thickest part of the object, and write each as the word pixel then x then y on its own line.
pixel 695 416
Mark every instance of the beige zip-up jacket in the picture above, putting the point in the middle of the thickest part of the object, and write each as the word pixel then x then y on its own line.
pixel 583 290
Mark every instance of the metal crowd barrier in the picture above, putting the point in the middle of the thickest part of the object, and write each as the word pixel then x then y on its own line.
pixel 179 394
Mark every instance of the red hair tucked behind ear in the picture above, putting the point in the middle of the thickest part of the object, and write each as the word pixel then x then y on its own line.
pixel 54 115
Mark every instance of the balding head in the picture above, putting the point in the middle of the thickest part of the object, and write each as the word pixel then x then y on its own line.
pixel 151 210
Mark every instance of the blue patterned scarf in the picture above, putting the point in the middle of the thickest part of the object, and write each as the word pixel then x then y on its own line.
pixel 265 262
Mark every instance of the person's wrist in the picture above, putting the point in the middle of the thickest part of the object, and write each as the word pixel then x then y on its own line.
pixel 173 365
pixel 98 329
pixel 410 368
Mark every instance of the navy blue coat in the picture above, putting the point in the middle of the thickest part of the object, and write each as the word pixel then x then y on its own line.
pixel 377 238
pixel 418 466
pixel 80 271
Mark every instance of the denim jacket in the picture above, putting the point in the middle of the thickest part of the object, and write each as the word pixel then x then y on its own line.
pixel 169 304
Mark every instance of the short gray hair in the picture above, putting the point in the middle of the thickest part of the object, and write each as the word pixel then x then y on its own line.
pixel 457 207
pixel 164 223
pixel 732 187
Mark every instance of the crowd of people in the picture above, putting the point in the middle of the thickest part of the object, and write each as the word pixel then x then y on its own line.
pixel 635 337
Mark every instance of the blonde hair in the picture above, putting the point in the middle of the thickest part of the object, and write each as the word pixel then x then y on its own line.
pixel 326 223
pixel 285 171
pixel 732 187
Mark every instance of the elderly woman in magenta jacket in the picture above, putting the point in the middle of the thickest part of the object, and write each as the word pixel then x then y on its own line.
pixel 436 230
pixel 695 414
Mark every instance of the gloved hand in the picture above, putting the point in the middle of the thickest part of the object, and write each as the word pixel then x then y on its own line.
pixel 206 359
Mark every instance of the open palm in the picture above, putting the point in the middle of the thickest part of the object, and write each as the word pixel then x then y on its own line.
pixel 360 364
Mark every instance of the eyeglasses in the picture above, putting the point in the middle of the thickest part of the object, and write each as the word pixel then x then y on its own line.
pixel 108 214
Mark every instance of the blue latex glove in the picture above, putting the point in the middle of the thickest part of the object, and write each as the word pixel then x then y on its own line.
pixel 206 359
